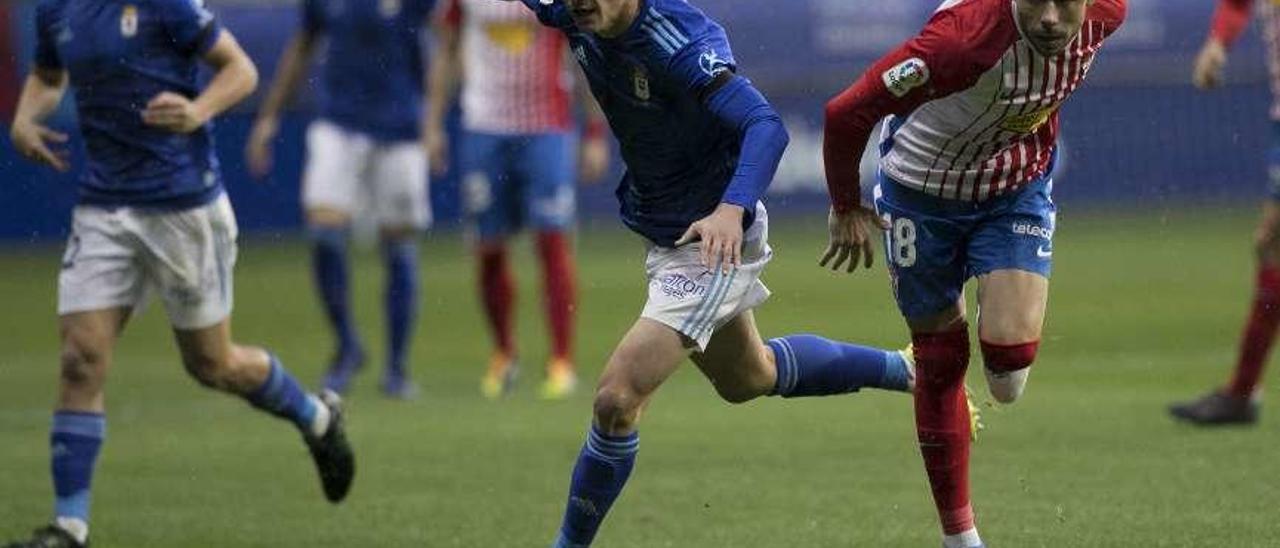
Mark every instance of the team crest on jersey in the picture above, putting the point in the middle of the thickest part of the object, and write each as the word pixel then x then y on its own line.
pixel 1029 122
pixel 711 63
pixel 389 8
pixel 906 76
pixel 641 82
pixel 129 21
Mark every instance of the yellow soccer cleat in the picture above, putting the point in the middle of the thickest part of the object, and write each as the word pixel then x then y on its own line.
pixel 500 379
pixel 561 381
pixel 975 413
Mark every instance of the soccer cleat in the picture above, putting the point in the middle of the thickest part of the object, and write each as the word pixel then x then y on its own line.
pixel 399 387
pixel 332 453
pixel 561 381
pixel 975 413
pixel 1217 409
pixel 343 369
pixel 500 379
pixel 49 536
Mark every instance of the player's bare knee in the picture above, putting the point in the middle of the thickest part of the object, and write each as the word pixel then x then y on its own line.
pixel 616 409
pixel 81 366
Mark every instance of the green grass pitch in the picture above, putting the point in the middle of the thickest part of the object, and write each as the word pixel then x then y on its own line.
pixel 1144 310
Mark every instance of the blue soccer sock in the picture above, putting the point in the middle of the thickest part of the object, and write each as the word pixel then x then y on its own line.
pixel 74 443
pixel 283 397
pixel 813 366
pixel 401 300
pixel 329 266
pixel 602 470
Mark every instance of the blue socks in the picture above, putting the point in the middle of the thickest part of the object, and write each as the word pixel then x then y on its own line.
pixel 814 366
pixel 602 470
pixel 74 443
pixel 401 301
pixel 329 265
pixel 283 397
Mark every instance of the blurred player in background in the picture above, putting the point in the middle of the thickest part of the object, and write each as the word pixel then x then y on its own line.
pixel 152 216
pixel 364 149
pixel 701 146
pixel 1236 403
pixel 518 165
pixel 967 155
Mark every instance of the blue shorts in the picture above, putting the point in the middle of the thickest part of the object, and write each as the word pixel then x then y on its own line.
pixel 934 245
pixel 510 181
pixel 1273 162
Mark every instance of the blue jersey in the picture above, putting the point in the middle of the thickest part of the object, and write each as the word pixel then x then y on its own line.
pixel 372 80
pixel 652 82
pixel 119 55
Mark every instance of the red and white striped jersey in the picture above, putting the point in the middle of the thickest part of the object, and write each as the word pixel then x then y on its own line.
pixel 972 106
pixel 515 80
pixel 1229 22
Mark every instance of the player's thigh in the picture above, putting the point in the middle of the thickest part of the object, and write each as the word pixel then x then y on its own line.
pixel 398 178
pixel 101 267
pixel 736 360
pixel 925 253
pixel 1011 306
pixel 491 194
pixel 332 179
pixel 645 358
pixel 545 165
pixel 190 258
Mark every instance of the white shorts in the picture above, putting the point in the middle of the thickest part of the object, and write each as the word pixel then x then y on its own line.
pixel 117 257
pixel 694 301
pixel 352 173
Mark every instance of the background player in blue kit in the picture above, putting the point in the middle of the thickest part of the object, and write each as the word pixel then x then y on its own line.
pixel 365 150
pixel 152 216
pixel 701 145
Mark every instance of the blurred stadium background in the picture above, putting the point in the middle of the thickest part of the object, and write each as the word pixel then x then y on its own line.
pixel 1158 185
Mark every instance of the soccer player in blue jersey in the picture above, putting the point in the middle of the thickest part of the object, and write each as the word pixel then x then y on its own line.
pixel 701 145
pixel 364 154
pixel 152 217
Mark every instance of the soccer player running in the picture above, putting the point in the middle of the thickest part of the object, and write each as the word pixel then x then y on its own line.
pixel 1236 403
pixel 701 145
pixel 152 216
pixel 967 155
pixel 518 165
pixel 364 153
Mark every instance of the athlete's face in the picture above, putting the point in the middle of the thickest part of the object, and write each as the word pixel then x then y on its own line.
pixel 1051 24
pixel 604 17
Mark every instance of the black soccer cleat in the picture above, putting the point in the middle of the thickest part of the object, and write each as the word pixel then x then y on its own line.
pixel 1217 409
pixel 49 536
pixel 332 453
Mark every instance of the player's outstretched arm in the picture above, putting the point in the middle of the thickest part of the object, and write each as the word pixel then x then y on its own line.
pixel 234 79
pixel 442 84
pixel 40 97
pixel 290 70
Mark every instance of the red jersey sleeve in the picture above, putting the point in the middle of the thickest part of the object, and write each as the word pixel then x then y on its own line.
pixel 1230 20
pixel 948 56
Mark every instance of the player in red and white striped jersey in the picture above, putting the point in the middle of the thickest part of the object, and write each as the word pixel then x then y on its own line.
pixel 967 149
pixel 517 163
pixel 1236 403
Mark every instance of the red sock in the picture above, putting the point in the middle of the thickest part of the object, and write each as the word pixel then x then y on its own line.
pixel 561 283
pixel 1260 332
pixel 942 423
pixel 498 292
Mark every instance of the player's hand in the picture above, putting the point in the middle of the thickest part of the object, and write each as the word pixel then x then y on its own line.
pixel 851 238
pixel 1207 73
pixel 39 144
pixel 721 235
pixel 175 113
pixel 436 140
pixel 593 159
pixel 258 151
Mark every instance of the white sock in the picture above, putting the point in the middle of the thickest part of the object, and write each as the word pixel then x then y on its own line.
pixel 967 539
pixel 75 526
pixel 1007 387
pixel 319 424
